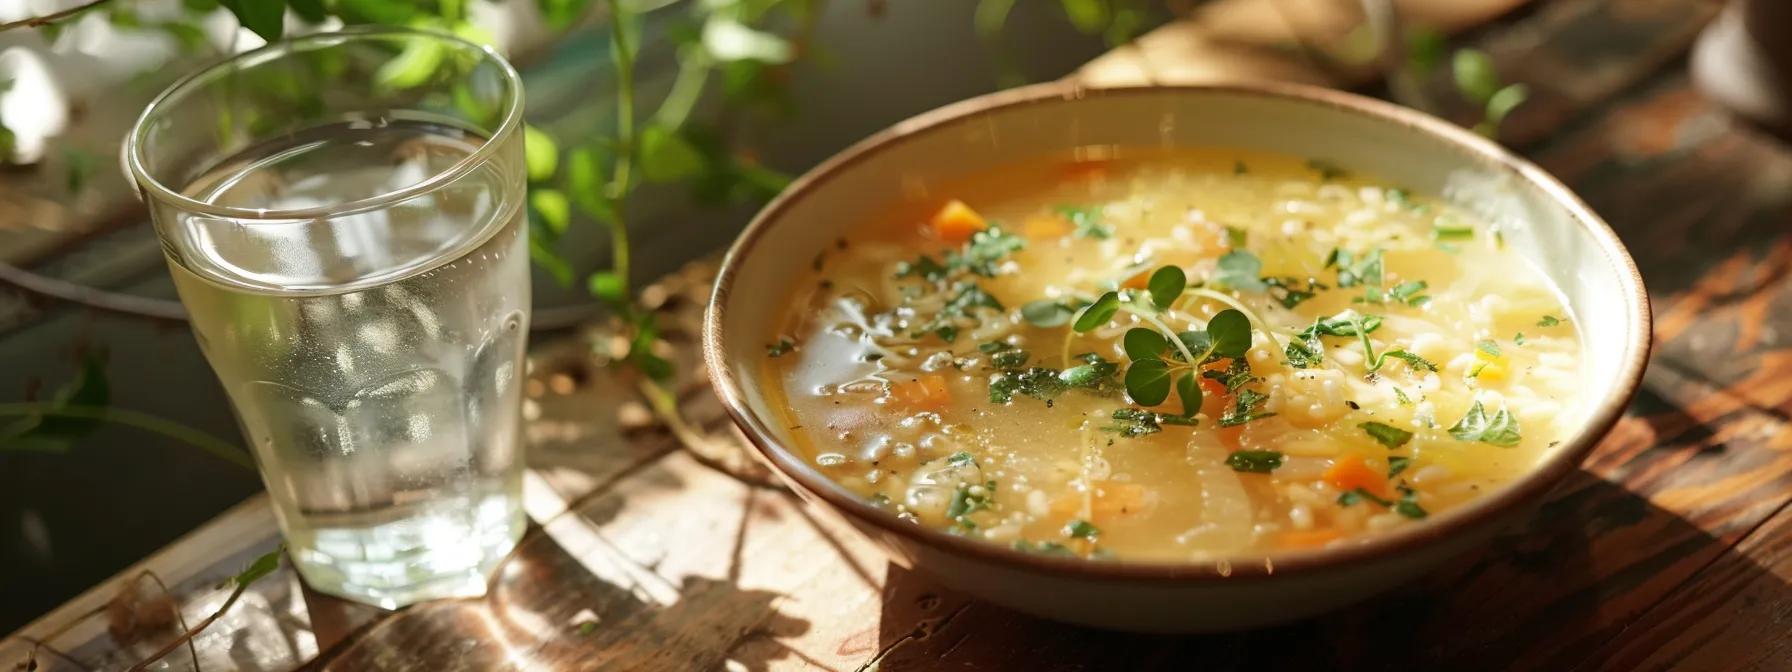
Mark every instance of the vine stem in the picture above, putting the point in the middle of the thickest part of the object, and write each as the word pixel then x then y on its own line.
pixel 47 19
pixel 194 631
pixel 217 447
pixel 623 54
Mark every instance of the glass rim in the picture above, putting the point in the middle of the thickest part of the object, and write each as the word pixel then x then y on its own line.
pixel 135 161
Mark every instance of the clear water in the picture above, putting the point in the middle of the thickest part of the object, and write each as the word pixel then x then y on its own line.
pixel 373 359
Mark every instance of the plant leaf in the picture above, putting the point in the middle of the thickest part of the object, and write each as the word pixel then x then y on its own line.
pixel 729 40
pixel 1188 389
pixel 1231 333
pixel 1142 344
pixel 265 18
pixel 540 152
pixel 1046 313
pixel 1098 313
pixel 1388 436
pixel 1475 75
pixel 1166 285
pixel 552 208
pixel 667 157
pixel 1148 382
pixel 1240 270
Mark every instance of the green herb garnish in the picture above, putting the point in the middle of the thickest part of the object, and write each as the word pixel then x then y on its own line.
pixel 1166 285
pixel 1409 504
pixel 1043 548
pixel 961 459
pixel 1499 429
pixel 1255 461
pixel 1081 529
pixel 1098 313
pixel 1136 422
pixel 1387 435
pixel 1549 321
pixel 1445 228
pixel 1358 495
pixel 1047 313
pixel 1327 170
pixel 1244 408
pixel 1398 464
pixel 1240 270
pixel 1087 221
pixel 1408 293
pixel 1488 346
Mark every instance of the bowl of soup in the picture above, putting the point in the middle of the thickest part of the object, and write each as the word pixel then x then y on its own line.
pixel 1176 359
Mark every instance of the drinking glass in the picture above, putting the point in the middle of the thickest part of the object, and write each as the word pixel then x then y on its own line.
pixel 343 215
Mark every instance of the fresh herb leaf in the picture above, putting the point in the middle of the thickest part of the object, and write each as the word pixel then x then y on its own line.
pixel 1195 340
pixel 1408 293
pixel 1409 504
pixel 969 499
pixel 1047 313
pixel 1039 383
pixel 1255 461
pixel 1360 494
pixel 1290 292
pixel 1142 344
pixel 1445 228
pixel 1343 324
pixel 963 305
pixel 1237 375
pixel 1166 285
pixel 1188 389
pixel 1353 270
pixel 1244 408
pixel 1230 332
pixel 1416 362
pixel 961 459
pixel 1137 422
pixel 984 250
pixel 1549 321
pixel 781 348
pixel 1098 313
pixel 1087 221
pixel 1305 352
pixel 1499 429
pixel 1008 360
pixel 1387 435
pixel 1148 381
pixel 1094 373
pixel 924 267
pixel 1397 465
pixel 1081 529
pixel 1518 338
pixel 1488 346
pixel 1240 270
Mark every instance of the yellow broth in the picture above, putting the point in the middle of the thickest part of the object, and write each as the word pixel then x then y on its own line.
pixel 972 435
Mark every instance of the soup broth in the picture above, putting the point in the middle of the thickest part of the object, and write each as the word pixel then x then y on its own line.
pixel 1173 356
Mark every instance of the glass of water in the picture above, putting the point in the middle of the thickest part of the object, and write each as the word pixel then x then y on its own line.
pixel 343 215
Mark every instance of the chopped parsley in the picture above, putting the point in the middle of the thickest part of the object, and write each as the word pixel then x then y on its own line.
pixel 1358 495
pixel 1045 384
pixel 1305 352
pixel 1240 270
pixel 1408 293
pixel 1499 429
pixel 1409 504
pixel 1518 339
pixel 1413 360
pixel 1488 346
pixel 1398 464
pixel 781 348
pixel 1400 395
pixel 1255 461
pixel 1346 324
pixel 961 459
pixel 1445 228
pixel 1081 529
pixel 1244 408
pixel 1387 435
pixel 1087 221
pixel 969 499
pixel 1004 355
pixel 1549 321
pixel 1136 422
pixel 1047 313
pixel 1291 292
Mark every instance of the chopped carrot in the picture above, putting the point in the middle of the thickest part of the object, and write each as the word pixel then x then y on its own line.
pixel 955 222
pixel 1045 226
pixel 1350 472
pixel 1232 437
pixel 926 392
pixel 1139 280
pixel 1307 538
pixel 1112 499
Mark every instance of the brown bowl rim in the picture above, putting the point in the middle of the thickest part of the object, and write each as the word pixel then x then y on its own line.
pixel 1480 512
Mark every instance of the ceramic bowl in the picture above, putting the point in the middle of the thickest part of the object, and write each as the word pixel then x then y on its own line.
pixel 1536 214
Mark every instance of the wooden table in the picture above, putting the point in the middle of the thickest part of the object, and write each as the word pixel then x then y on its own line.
pixel 1670 548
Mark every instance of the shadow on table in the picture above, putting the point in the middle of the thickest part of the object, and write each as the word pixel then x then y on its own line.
pixel 570 602
pixel 1545 597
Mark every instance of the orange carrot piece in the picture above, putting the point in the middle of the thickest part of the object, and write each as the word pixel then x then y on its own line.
pixel 1307 538
pixel 1350 472
pixel 926 392
pixel 955 222
pixel 1040 227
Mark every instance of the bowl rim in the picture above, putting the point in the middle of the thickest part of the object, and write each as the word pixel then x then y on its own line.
pixel 1478 149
